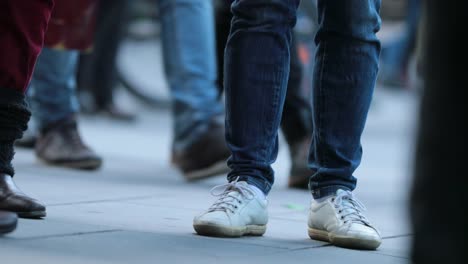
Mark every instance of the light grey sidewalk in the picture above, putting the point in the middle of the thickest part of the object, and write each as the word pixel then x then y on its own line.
pixel 138 209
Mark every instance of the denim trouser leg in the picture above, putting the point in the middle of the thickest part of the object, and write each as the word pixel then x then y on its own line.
pixel 190 64
pixel 256 75
pixel 52 92
pixel 344 78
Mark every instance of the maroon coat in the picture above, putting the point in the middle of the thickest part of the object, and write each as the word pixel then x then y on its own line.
pixel 22 27
pixel 72 24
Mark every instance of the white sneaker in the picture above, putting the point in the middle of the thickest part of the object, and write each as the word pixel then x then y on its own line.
pixel 239 211
pixel 340 221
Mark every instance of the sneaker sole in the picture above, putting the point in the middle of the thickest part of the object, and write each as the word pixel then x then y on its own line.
pixel 343 241
pixel 32 215
pixel 80 165
pixel 229 231
pixel 7 230
pixel 215 169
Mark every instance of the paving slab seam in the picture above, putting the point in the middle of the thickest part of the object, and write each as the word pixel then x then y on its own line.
pixel 312 247
pixel 397 236
pixel 70 234
pixel 387 255
pixel 103 200
pixel 287 219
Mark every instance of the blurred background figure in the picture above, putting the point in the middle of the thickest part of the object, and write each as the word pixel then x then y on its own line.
pixel 186 31
pixel 52 92
pixel 397 53
pixel 188 45
pixel 438 200
pixel 54 105
pixel 96 71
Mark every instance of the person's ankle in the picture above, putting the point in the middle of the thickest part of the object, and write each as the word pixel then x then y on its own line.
pixel 259 193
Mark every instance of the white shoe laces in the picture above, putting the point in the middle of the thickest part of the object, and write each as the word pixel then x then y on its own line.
pixel 350 208
pixel 230 196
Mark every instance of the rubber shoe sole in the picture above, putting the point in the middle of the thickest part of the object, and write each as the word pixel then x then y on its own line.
pixel 32 215
pixel 344 241
pixel 8 229
pixel 79 165
pixel 213 230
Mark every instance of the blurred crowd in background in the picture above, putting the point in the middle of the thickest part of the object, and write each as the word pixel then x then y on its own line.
pixel 85 60
pixel 78 78
pixel 94 48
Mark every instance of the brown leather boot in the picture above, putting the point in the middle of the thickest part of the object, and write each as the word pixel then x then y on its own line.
pixel 8 221
pixel 14 200
pixel 62 145
pixel 206 157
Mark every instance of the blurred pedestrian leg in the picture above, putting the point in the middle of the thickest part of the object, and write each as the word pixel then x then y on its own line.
pixel 199 147
pixel 97 73
pixel 438 200
pixel 296 123
pixel 52 95
pixel 22 30
pixel 396 55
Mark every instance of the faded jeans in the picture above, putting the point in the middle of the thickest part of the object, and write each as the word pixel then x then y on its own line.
pixel 256 73
pixel 190 64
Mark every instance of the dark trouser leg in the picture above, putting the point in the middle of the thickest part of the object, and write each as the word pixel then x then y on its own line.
pixel 296 123
pixel 256 76
pixel 438 199
pixel 97 70
pixel 297 113
pixel 344 78
pixel 22 29
pixel 223 24
pixel 14 117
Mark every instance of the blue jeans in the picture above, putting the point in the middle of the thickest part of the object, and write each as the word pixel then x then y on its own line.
pixel 52 91
pixel 256 74
pixel 190 63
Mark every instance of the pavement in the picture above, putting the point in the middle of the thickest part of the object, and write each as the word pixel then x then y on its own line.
pixel 139 209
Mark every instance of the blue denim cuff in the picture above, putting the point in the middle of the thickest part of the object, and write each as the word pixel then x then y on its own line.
pixel 327 191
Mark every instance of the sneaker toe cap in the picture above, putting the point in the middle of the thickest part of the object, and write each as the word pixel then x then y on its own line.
pixel 363 232
pixel 213 218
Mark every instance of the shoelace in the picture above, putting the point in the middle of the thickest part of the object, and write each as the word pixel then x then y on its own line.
pixel 228 200
pixel 350 208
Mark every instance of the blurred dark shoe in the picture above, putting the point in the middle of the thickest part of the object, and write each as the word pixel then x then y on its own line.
pixel 61 145
pixel 8 221
pixel 114 112
pixel 28 140
pixel 300 173
pixel 12 199
pixel 206 157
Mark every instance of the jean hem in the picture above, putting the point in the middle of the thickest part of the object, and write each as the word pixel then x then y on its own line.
pixel 327 191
